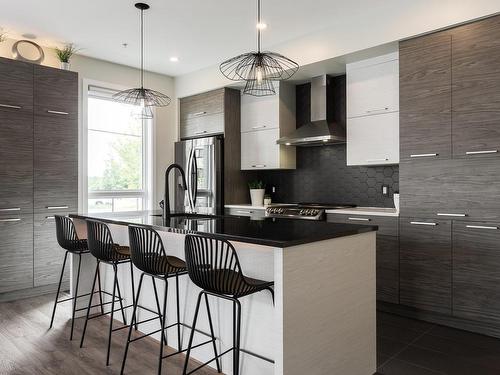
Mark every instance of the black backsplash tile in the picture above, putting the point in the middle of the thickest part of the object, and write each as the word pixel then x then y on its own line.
pixel 323 176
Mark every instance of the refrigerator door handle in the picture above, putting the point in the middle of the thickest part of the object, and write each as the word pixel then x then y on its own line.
pixel 190 180
pixel 195 183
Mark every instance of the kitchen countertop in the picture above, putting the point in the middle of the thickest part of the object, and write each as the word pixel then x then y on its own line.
pixel 267 231
pixel 244 207
pixel 368 211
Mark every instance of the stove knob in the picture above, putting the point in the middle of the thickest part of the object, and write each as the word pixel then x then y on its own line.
pixel 281 210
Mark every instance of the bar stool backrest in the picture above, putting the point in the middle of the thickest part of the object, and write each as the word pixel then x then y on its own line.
pixel 146 249
pixel 66 234
pixel 101 243
pixel 213 265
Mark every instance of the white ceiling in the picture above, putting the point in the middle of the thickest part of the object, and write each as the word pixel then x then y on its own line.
pixel 200 32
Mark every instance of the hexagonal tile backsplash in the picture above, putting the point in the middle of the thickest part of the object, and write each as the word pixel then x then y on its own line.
pixel 323 176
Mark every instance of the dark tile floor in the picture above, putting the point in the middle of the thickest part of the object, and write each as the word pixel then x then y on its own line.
pixel 412 347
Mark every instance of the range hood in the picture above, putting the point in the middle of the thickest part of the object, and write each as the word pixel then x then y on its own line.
pixel 327 125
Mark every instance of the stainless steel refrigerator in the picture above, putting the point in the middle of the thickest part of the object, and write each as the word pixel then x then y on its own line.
pixel 202 161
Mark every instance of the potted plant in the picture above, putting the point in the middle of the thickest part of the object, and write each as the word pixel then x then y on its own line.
pixel 64 55
pixel 257 191
pixel 3 35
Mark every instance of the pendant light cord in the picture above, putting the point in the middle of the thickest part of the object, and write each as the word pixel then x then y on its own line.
pixel 258 26
pixel 142 48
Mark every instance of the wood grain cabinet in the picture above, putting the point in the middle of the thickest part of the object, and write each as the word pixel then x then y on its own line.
pixel 56 140
pixel 476 271
pixel 425 97
pixel 387 252
pixel 426 264
pixel 202 115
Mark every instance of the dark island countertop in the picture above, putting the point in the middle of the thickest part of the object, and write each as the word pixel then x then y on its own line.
pixel 268 232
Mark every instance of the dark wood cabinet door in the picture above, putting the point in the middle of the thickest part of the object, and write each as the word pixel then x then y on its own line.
pixel 56 92
pixel 16 252
pixel 425 97
pixel 56 140
pixel 16 160
pixel 48 256
pixel 202 115
pixel 426 264
pixel 459 189
pixel 387 268
pixel 16 85
pixel 476 135
pixel 476 271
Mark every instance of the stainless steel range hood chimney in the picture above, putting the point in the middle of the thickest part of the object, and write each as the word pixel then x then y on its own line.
pixel 327 124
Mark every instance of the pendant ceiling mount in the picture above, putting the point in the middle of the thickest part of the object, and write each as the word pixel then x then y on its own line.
pixel 259 69
pixel 146 98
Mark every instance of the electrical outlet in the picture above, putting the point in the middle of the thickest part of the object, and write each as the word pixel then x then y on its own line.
pixel 273 189
pixel 385 190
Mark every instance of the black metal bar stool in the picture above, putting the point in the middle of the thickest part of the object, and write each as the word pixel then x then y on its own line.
pixel 103 248
pixel 69 241
pixel 148 255
pixel 213 265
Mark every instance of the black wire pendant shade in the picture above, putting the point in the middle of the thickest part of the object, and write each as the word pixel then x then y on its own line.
pixel 146 98
pixel 259 69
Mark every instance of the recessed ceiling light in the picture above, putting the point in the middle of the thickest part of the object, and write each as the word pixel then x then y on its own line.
pixel 174 59
pixel 261 26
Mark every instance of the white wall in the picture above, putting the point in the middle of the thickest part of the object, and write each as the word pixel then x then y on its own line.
pixel 384 21
pixel 166 129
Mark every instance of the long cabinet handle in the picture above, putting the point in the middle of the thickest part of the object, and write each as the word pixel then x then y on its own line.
pixel 50 217
pixel 58 113
pixel 423 223
pixel 451 215
pixel 375 160
pixel 10 106
pixel 10 209
pixel 201 132
pixel 245 212
pixel 481 152
pixel 378 110
pixel 259 127
pixel 9 220
pixel 258 166
pixel 57 207
pixel 199 113
pixel 358 219
pixel 423 155
pixel 481 227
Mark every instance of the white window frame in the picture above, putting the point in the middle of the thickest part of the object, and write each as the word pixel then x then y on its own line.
pixel 148 160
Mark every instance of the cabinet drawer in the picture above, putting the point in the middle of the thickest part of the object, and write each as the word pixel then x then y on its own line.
pixel 425 264
pixel 259 113
pixel 373 140
pixel 259 150
pixel 204 104
pixel 476 135
pixel 16 252
pixel 250 212
pixel 202 126
pixel 387 226
pixel 476 271
pixel 373 89
pixel 48 256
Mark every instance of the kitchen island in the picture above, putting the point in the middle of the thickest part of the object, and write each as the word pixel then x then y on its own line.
pixel 324 318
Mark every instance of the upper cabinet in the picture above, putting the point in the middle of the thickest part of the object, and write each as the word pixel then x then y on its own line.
pixel 373 111
pixel 202 115
pixel 263 121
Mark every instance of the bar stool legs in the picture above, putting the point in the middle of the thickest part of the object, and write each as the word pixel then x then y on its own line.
pixel 76 294
pixel 58 290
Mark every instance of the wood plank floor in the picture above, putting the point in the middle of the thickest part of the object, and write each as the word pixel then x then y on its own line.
pixel 28 347
pixel 405 346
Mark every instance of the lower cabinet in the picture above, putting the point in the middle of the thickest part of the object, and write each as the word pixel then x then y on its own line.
pixel 48 256
pixel 388 269
pixel 476 271
pixel 16 252
pixel 426 264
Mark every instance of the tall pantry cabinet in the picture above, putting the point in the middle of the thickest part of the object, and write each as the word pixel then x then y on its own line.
pixel 38 170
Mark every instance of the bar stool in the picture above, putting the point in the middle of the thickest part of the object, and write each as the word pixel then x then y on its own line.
pixel 148 255
pixel 69 241
pixel 213 265
pixel 103 248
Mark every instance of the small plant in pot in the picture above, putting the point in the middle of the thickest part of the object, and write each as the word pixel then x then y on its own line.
pixel 64 55
pixel 257 191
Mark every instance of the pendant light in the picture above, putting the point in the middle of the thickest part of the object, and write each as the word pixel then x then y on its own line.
pixel 146 98
pixel 259 69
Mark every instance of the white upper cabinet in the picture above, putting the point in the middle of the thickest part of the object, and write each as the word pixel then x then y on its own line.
pixel 373 86
pixel 373 111
pixel 264 120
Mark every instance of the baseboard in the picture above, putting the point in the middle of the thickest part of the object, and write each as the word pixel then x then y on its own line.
pixel 441 319
pixel 32 292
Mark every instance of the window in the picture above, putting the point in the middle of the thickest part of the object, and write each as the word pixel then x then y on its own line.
pixel 118 155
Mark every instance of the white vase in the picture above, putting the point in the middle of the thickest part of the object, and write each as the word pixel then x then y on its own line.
pixel 396 201
pixel 65 65
pixel 257 197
